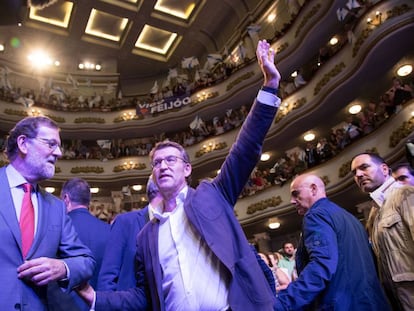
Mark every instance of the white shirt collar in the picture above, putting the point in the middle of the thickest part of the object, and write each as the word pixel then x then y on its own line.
pixel 15 178
pixel 158 210
pixel 380 194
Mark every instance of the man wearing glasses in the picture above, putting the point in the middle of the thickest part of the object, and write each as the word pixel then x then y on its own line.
pixel 40 253
pixel 194 254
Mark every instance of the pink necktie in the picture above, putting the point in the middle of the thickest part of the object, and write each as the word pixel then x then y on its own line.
pixel 27 219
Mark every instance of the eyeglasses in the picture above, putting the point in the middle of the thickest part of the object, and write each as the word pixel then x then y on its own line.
pixel 169 160
pixel 51 143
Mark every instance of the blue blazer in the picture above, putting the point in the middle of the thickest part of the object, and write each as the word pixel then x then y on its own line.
pixel 55 238
pixel 94 233
pixel 209 209
pixel 118 264
pixel 335 265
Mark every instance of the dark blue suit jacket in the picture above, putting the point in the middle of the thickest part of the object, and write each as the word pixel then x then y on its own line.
pixel 94 233
pixel 335 265
pixel 118 264
pixel 209 209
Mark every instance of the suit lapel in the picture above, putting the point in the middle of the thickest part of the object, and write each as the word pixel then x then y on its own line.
pixel 154 258
pixel 7 209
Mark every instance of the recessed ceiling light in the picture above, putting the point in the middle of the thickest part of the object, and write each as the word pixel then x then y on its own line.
pixel 137 187
pixel 94 190
pixel 271 17
pixel 50 189
pixel 333 41
pixel 265 157
pixel 354 109
pixel 309 137
pixel 404 70
pixel 274 223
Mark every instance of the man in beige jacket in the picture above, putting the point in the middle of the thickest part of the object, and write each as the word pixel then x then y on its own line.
pixel 391 226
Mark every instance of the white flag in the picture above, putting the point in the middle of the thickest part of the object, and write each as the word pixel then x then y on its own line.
pixel 353 4
pixel 4 78
pixel 189 62
pixel 253 30
pixel 341 13
pixel 212 59
pixel 154 89
pixel 196 123
pixel 73 81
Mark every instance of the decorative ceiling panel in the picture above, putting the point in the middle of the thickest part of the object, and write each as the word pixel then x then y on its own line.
pixel 106 26
pixel 57 15
pixel 181 9
pixel 155 40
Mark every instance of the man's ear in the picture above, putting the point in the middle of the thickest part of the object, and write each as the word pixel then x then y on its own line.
pixel 385 169
pixel 22 141
pixel 188 169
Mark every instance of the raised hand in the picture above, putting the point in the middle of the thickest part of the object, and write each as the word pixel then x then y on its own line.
pixel 266 59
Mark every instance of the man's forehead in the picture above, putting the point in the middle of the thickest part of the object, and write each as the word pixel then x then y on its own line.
pixel 167 151
pixel 361 159
pixel 401 170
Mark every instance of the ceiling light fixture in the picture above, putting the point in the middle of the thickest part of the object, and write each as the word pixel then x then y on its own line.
pixel 309 136
pixel 94 190
pixel 137 187
pixel 404 70
pixel 274 223
pixel 271 17
pixel 50 189
pixel 354 109
pixel 333 41
pixel 265 157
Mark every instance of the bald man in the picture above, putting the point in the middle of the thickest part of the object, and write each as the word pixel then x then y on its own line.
pixel 334 261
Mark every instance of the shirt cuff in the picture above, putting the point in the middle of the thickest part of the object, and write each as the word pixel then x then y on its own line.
pixel 269 99
pixel 93 302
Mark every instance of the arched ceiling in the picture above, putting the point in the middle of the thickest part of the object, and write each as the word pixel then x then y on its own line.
pixel 127 37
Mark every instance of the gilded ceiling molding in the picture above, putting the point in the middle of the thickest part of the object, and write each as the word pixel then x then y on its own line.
pixel 14 112
pixel 210 148
pixel 89 120
pixel 394 12
pixel 285 110
pixel 263 204
pixel 87 169
pixel 129 166
pixel 328 76
pixel 307 17
pixel 240 79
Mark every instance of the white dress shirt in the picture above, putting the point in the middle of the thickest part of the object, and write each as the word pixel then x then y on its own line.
pixel 193 277
pixel 16 180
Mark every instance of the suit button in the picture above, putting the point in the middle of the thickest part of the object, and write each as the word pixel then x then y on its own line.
pixel 17 306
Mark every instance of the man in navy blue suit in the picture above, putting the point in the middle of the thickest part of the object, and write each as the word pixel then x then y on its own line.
pixel 56 259
pixel 194 254
pixel 94 233
pixel 118 264
pixel 336 269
